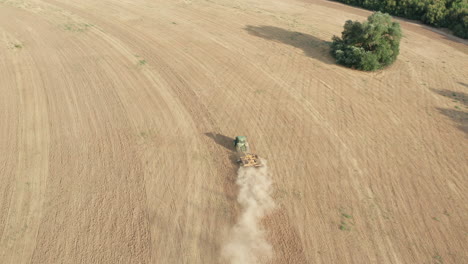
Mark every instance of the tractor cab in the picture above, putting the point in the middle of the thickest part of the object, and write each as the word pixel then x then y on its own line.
pixel 241 144
pixel 246 158
pixel 240 140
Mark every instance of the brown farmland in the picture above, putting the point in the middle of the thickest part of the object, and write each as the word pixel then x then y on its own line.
pixel 117 120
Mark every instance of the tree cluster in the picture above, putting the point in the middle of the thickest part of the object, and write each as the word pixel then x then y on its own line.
pixel 439 13
pixel 370 45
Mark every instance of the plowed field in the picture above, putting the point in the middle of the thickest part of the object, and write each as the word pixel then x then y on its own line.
pixel 117 120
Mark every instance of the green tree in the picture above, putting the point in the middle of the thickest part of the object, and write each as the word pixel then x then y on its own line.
pixel 440 13
pixel 457 18
pixel 461 29
pixel 370 45
pixel 435 13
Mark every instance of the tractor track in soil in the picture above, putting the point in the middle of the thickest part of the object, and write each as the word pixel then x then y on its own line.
pixel 117 120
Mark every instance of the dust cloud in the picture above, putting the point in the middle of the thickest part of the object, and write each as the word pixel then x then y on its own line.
pixel 247 243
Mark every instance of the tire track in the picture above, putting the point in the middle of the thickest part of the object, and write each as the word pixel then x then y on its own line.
pixel 32 160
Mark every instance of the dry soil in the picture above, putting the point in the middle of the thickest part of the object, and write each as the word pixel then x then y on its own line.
pixel 116 121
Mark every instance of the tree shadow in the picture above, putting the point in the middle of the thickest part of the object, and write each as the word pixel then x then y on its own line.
pixel 459 97
pixel 458 116
pixel 464 84
pixel 312 46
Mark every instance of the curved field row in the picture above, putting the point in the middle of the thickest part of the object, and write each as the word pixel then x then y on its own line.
pixel 116 121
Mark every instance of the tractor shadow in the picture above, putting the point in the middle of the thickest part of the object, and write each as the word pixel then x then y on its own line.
pixel 227 143
pixel 312 46
pixel 222 140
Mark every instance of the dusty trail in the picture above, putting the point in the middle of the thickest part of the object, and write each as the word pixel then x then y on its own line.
pixel 246 243
pixel 116 120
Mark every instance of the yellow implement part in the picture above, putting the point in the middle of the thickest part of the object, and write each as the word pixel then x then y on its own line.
pixel 250 160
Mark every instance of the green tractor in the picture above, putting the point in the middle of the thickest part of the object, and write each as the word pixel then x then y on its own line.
pixel 241 144
pixel 246 158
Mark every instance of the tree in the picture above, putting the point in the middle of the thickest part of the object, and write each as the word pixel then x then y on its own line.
pixel 461 29
pixel 370 45
pixel 457 18
pixel 435 13
pixel 439 13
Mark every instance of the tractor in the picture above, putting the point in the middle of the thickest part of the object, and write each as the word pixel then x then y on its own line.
pixel 246 159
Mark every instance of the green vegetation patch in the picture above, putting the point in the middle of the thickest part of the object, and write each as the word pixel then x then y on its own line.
pixel 76 27
pixel 346 215
pixel 370 45
pixel 439 13
pixel 343 227
pixel 346 221
pixel 438 259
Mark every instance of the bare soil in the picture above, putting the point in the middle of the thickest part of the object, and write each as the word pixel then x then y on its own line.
pixel 116 121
